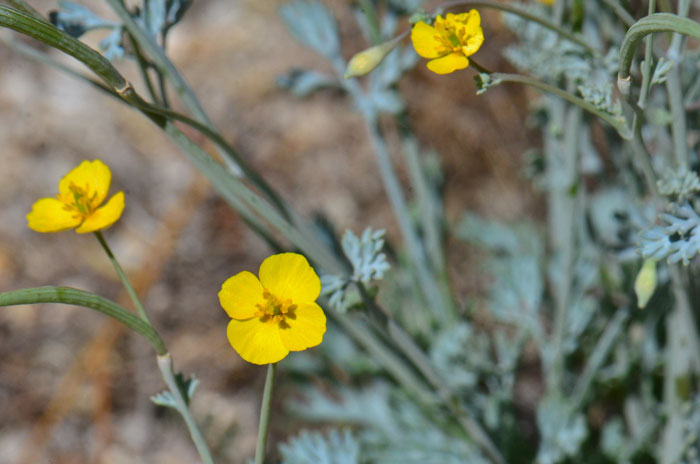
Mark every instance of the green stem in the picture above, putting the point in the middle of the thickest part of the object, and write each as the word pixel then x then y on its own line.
pixel 679 130
pixel 523 13
pixel 680 361
pixel 72 296
pixel 165 363
pixel 442 307
pixel 372 20
pixel 408 347
pixel 605 343
pixel 143 68
pixel 122 276
pixel 47 33
pixel 648 58
pixel 618 123
pixel 564 207
pixel 620 11
pixel 263 427
pixel 165 67
pixel 657 22
pixel 25 7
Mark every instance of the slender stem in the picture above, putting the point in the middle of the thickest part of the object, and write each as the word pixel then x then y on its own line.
pixel 408 347
pixel 372 20
pixel 679 131
pixel 648 57
pixel 620 11
pixel 442 307
pixel 49 34
pixel 523 13
pixel 165 363
pixel 263 427
pixel 681 357
pixel 143 67
pixel 478 67
pixel 617 122
pixel 643 157
pixel 122 276
pixel 72 296
pixel 562 172
pixel 25 7
pixel 598 355
pixel 657 22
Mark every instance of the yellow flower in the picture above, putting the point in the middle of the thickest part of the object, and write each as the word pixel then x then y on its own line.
pixel 277 313
pixel 449 42
pixel 80 194
pixel 547 2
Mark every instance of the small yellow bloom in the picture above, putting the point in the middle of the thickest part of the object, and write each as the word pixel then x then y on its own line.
pixel 275 314
pixel 77 205
pixel 449 42
pixel 547 2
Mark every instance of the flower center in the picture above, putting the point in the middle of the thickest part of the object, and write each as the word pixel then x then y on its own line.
pixel 275 310
pixel 79 200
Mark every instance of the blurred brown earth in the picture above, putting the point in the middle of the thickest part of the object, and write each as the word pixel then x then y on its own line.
pixel 74 388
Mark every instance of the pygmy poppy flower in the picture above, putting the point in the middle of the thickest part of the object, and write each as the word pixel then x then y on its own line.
pixel 449 41
pixel 77 205
pixel 276 313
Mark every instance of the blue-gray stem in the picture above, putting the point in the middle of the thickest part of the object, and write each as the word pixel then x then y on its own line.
pixel 165 363
pixel 122 276
pixel 265 414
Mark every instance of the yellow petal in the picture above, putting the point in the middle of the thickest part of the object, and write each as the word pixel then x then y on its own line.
pixel 239 295
pixel 49 215
pixel 92 176
pixel 105 216
pixel 289 276
pixel 305 329
pixel 255 341
pixel 425 41
pixel 471 20
pixel 473 44
pixel 448 63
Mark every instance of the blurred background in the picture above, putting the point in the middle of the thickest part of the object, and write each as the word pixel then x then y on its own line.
pixel 74 386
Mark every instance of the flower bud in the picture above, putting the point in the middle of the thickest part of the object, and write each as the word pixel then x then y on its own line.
pixel 364 62
pixel 645 283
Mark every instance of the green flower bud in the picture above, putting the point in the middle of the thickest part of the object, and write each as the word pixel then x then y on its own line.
pixel 645 283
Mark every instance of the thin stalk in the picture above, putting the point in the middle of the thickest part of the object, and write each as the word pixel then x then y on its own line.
pixel 239 195
pixel 122 276
pixel 679 130
pixel 648 57
pixel 233 161
pixel 395 366
pixel 408 347
pixel 523 13
pixel 425 197
pixel 25 7
pixel 433 295
pixel 372 20
pixel 72 296
pixel 681 358
pixel 612 331
pixel 43 58
pixel 44 32
pixel 563 207
pixel 165 363
pixel 263 427
pixel 620 11
pixel 618 123
pixel 143 68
